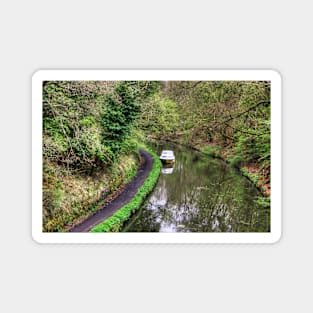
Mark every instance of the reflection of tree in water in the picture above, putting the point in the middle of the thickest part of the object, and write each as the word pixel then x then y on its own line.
pixel 202 195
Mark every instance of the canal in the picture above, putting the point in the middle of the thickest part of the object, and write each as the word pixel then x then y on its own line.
pixel 200 194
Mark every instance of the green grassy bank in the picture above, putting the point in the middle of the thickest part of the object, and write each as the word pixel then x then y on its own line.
pixel 73 197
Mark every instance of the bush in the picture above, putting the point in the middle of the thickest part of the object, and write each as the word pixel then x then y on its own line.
pixel 71 126
pixel 235 160
pixel 212 151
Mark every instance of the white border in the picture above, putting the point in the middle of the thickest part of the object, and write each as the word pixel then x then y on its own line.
pixel 172 238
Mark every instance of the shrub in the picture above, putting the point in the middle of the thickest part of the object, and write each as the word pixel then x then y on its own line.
pixel 212 151
pixel 235 160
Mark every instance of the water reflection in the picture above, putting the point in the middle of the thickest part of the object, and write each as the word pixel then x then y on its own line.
pixel 200 194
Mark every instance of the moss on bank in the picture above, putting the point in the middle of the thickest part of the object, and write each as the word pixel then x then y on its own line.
pixel 116 221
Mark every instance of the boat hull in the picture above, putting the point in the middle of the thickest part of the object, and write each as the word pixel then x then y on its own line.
pixel 167 161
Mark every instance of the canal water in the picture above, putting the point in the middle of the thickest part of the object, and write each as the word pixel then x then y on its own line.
pixel 200 194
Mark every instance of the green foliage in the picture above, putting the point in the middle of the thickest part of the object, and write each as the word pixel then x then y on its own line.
pixel 235 160
pixel 118 116
pixel 246 147
pixel 254 177
pixel 264 202
pixel 88 121
pixel 212 151
pixel 115 222
pixel 121 110
pixel 159 116
pixel 71 128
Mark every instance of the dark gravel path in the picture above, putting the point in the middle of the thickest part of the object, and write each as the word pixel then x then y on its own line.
pixel 126 195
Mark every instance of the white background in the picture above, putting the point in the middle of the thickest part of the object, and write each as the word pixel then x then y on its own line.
pixel 159 34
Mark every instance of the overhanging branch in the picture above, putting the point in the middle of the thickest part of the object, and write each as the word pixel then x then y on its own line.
pixel 242 113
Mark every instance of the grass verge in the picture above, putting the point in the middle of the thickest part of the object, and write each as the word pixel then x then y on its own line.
pixel 70 198
pixel 117 220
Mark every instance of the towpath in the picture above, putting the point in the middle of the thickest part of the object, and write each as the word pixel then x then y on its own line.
pixel 125 196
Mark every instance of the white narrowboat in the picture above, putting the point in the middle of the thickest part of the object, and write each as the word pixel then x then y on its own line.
pixel 167 156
